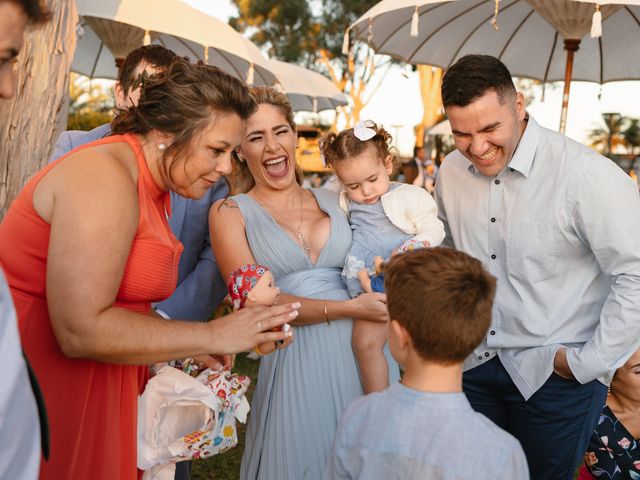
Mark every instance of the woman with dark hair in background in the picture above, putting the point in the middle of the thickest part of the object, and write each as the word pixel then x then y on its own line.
pixel 614 447
pixel 86 248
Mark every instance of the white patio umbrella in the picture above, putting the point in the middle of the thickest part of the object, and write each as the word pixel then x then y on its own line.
pixel 530 37
pixel 307 90
pixel 110 29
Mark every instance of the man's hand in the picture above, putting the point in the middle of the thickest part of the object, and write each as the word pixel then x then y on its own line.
pixel 561 366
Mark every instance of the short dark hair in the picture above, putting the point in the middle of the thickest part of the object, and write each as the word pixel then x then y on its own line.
pixel 36 10
pixel 155 55
pixel 443 298
pixel 471 77
pixel 180 101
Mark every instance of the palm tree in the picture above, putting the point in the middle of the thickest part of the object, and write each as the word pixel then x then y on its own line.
pixel 609 135
pixel 632 134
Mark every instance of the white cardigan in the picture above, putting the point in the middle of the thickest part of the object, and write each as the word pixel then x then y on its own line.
pixel 411 209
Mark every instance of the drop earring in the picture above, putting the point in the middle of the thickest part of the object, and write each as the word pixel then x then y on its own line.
pixel 162 147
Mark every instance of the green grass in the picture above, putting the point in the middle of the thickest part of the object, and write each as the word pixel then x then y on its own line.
pixel 226 466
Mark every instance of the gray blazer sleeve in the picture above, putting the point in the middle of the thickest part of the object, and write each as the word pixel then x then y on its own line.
pixel 63 145
pixel 200 288
pixel 71 139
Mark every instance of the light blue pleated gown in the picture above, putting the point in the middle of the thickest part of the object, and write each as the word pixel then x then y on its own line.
pixel 303 389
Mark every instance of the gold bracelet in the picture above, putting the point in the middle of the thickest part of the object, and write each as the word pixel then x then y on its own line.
pixel 326 315
pixel 257 350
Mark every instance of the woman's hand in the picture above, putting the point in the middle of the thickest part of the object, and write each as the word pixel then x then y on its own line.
pixel 246 328
pixel 370 306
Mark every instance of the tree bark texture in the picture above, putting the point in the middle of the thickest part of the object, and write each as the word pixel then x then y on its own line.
pixel 31 122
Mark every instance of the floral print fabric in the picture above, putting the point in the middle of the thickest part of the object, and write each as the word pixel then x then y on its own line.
pixel 613 453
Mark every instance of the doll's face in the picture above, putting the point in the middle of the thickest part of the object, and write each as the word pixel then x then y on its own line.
pixel 264 292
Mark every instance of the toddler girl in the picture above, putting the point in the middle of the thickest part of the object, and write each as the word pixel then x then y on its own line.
pixel 383 216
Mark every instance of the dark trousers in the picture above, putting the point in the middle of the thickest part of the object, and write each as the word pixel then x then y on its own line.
pixel 553 426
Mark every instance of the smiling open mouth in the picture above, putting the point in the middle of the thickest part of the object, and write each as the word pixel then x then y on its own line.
pixel 277 166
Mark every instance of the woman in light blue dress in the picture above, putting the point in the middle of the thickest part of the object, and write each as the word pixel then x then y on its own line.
pixel 303 237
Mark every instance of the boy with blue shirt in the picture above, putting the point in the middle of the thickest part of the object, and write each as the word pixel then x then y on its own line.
pixel 439 302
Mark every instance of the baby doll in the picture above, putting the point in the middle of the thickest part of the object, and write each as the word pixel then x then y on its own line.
pixel 375 282
pixel 253 284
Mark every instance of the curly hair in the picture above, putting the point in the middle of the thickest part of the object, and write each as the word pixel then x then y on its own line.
pixel 180 102
pixel 337 147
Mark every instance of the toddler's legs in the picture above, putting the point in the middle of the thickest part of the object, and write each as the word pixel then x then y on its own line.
pixel 368 339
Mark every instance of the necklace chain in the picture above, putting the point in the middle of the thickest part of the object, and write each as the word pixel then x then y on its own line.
pixel 304 244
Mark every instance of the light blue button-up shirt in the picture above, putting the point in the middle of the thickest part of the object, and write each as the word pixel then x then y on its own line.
pixel 407 434
pixel 559 227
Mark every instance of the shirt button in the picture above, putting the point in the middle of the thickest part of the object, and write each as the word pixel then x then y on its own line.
pixel 493 257
pixel 493 219
pixel 511 170
pixel 486 354
pixel 479 357
pixel 492 332
pixel 497 182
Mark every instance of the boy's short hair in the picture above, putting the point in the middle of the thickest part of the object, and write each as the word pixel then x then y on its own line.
pixel 471 77
pixel 443 298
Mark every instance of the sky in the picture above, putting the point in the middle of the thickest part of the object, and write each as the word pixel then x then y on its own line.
pixel 397 105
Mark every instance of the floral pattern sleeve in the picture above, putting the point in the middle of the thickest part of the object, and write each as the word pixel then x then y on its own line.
pixel 613 453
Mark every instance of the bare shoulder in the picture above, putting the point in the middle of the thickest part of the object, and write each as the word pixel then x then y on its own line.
pixel 98 179
pixel 225 210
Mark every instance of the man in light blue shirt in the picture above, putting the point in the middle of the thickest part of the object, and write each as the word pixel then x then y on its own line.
pixel 558 225
pixel 439 303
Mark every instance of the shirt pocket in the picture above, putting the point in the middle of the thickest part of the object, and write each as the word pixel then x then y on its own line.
pixel 532 251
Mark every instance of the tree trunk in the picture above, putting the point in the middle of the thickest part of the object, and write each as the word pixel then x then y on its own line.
pixel 430 83
pixel 31 122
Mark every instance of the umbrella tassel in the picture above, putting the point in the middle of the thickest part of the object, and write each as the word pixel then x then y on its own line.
pixel 414 22
pixel 315 105
pixel 370 31
pixel 147 38
pixel 206 55
pixel 250 75
pixel 494 21
pixel 345 43
pixel 596 23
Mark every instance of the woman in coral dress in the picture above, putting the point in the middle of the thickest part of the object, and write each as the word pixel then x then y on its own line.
pixel 87 249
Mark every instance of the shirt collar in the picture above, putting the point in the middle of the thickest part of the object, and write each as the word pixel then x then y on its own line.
pixel 525 151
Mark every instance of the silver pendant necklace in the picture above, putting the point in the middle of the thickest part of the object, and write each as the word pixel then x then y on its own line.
pixel 304 244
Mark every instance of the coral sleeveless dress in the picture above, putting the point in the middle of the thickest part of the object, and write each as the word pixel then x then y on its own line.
pixel 91 405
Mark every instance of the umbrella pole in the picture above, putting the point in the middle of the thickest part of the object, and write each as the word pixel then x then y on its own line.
pixel 571 46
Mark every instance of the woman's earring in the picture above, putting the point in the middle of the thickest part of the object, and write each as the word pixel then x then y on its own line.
pixel 162 147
